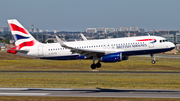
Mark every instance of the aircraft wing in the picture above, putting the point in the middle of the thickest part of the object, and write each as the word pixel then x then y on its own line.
pixel 87 52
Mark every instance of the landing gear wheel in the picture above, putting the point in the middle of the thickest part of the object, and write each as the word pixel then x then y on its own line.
pixel 98 65
pixel 153 61
pixel 93 66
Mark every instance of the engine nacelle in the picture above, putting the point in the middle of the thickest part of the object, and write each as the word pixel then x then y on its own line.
pixel 113 57
pixel 81 57
pixel 125 57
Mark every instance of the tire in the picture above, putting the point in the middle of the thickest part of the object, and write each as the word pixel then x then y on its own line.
pixel 98 65
pixel 93 66
pixel 153 62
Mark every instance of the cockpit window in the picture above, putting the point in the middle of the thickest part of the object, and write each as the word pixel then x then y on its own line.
pixel 163 41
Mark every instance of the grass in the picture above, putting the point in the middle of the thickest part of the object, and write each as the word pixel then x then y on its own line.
pixel 11 62
pixel 82 80
pixel 27 98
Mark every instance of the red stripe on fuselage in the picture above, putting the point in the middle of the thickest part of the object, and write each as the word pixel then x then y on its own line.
pixel 146 40
pixel 14 27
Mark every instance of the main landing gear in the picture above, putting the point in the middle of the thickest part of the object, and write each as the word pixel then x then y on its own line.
pixel 153 59
pixel 97 65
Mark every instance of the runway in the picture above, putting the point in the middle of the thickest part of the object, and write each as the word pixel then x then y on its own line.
pixel 131 72
pixel 98 92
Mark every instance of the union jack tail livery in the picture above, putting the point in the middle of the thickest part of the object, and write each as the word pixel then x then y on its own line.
pixel 22 38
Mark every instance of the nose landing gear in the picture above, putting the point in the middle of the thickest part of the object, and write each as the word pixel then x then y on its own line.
pixel 153 59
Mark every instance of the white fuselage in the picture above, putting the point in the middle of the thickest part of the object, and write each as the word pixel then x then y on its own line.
pixel 127 46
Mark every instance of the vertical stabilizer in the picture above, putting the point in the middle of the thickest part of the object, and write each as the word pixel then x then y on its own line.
pixel 22 37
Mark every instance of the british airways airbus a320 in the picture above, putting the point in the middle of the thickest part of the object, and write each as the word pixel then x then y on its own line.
pixel 102 50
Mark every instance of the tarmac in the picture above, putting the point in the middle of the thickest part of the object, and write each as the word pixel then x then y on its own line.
pixel 98 92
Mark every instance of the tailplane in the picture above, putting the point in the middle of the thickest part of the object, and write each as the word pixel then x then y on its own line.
pixel 22 38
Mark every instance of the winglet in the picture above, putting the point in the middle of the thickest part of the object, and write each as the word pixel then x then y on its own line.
pixel 83 37
pixel 60 41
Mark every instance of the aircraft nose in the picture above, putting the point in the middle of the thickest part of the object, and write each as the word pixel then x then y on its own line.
pixel 172 45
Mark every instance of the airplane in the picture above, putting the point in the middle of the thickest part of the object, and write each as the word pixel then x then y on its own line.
pixel 102 50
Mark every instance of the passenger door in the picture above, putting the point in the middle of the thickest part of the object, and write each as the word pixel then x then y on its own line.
pixel 40 50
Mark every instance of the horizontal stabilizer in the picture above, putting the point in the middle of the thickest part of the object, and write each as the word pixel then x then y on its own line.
pixel 14 51
pixel 19 50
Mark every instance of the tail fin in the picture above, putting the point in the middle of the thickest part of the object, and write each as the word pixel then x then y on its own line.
pixel 21 36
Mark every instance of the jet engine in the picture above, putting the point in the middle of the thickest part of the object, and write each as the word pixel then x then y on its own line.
pixel 81 57
pixel 113 57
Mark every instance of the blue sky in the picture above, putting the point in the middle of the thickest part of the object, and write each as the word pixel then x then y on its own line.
pixel 77 15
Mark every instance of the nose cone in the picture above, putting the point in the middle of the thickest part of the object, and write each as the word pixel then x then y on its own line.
pixel 171 45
